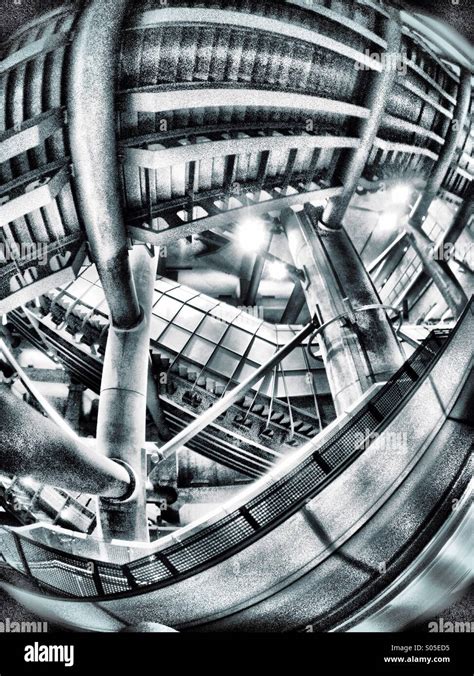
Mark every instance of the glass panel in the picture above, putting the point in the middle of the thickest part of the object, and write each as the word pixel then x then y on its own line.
pixel 91 274
pixel 182 293
pixel 212 329
pixel 225 313
pixel 224 362
pixel 165 285
pixel 199 350
pixel 261 351
pixel 157 325
pixel 156 297
pixel 174 338
pixel 167 308
pixel 202 303
pixel 188 318
pixel 236 340
pixel 79 287
pixel 267 332
pixel 246 369
pixel 284 336
pixel 93 296
pixel 295 361
pixel 247 321
pixel 296 385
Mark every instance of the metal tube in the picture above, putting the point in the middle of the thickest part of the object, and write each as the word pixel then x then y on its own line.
pixel 460 221
pixel 231 397
pixel 92 138
pixel 447 152
pixel 355 356
pixel 34 446
pixel 122 405
pixel 378 94
pixel 439 271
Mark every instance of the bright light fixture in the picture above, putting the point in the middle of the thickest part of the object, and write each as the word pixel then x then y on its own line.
pixel 277 270
pixel 400 194
pixel 251 234
pixel 29 482
pixel 389 220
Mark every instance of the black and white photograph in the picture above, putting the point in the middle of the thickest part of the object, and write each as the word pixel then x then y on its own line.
pixel 236 335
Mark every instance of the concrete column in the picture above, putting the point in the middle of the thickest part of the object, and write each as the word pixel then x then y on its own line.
pixel 355 354
pixel 121 419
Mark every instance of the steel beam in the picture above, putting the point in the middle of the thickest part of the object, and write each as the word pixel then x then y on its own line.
pixel 145 100
pixel 30 134
pixel 34 199
pixel 167 157
pixel 165 235
pixel 32 50
pixel 253 22
pixel 294 306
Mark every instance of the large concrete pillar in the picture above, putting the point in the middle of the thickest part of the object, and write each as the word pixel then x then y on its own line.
pixel 121 422
pixel 355 354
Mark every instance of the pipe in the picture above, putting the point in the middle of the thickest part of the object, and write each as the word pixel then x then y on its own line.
pixel 122 406
pixel 92 137
pixel 378 93
pixel 33 446
pixel 439 271
pixel 460 221
pixel 355 356
pixel 447 152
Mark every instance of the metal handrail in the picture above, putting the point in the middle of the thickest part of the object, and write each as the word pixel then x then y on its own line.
pixel 223 404
pixel 207 417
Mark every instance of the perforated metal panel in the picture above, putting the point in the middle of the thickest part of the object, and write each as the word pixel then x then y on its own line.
pixel 204 546
pixel 149 571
